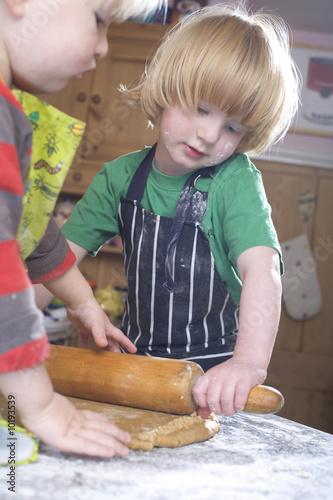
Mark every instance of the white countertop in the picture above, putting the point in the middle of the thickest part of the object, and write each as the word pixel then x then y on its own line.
pixel 253 457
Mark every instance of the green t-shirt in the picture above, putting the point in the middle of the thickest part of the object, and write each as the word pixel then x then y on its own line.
pixel 237 216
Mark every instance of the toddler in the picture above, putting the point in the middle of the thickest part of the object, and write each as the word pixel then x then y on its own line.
pixel 201 255
pixel 42 45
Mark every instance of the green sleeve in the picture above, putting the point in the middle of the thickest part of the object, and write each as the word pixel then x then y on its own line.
pixel 238 218
pixel 95 217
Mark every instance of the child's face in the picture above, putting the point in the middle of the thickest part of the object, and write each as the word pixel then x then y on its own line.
pixel 191 140
pixel 54 45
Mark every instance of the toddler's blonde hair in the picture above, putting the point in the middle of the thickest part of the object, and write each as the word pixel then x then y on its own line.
pixel 136 8
pixel 231 58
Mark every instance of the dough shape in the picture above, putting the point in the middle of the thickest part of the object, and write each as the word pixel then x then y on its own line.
pixel 151 428
pixel 178 432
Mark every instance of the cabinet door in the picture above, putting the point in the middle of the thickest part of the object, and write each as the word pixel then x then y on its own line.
pixel 114 126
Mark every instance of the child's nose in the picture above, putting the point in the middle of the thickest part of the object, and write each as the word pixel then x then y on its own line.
pixel 102 46
pixel 209 132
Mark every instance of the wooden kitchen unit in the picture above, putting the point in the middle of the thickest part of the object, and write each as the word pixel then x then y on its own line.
pixel 302 363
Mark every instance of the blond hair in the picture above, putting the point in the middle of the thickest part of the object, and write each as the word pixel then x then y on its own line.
pixel 137 8
pixel 229 57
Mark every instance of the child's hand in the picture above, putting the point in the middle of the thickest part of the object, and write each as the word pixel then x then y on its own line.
pixel 64 427
pixel 85 312
pixel 224 389
pixel 89 318
pixel 56 421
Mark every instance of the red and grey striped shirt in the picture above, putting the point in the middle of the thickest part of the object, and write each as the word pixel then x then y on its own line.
pixel 23 341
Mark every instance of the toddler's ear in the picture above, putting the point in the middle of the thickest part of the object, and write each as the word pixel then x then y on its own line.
pixel 16 7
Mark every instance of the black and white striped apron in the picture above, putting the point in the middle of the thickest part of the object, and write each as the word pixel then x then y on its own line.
pixel 177 304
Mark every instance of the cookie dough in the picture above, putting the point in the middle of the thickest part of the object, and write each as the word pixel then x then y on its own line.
pixel 151 428
pixel 178 432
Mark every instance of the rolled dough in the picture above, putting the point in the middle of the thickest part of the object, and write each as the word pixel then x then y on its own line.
pixel 151 428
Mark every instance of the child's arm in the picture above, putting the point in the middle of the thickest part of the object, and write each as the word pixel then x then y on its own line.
pixel 44 297
pixel 54 420
pixel 224 389
pixel 84 311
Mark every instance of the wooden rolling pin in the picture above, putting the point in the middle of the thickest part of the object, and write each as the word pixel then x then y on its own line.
pixel 139 381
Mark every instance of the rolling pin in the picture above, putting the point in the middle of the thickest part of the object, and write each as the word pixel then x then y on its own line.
pixel 148 383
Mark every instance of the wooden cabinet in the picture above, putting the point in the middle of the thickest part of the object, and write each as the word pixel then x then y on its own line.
pixel 302 362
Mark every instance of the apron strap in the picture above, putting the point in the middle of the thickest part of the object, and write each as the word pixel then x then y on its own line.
pixel 181 213
pixel 139 180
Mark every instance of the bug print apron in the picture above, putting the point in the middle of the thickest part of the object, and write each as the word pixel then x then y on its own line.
pixel 56 137
pixel 177 304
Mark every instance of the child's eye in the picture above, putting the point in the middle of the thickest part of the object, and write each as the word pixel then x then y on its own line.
pixel 99 20
pixel 202 110
pixel 236 130
pixel 231 129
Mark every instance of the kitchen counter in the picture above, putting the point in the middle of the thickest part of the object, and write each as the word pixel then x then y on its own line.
pixel 253 457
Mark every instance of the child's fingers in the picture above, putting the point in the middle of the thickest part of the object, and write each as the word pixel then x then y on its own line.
pixel 96 443
pixel 121 338
pixel 204 412
pixel 97 435
pixel 99 337
pixel 241 395
pixel 225 399
pixel 199 391
pixel 99 448
pixel 112 346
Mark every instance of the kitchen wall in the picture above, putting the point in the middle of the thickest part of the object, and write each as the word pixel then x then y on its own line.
pixel 306 149
pixel 308 142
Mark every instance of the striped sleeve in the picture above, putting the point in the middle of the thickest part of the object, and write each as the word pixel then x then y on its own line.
pixel 23 341
pixel 52 257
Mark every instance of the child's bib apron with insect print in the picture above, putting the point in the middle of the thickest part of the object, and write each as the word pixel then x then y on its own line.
pixel 56 137
pixel 178 305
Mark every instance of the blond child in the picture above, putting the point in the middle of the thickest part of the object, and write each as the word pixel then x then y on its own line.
pixel 42 45
pixel 201 255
